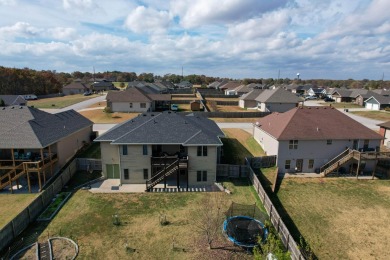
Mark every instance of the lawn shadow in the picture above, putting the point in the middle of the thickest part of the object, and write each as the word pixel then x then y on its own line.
pixel 234 152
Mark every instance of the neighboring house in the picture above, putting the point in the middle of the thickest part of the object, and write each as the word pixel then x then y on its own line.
pixel 13 100
pixel 229 87
pixel 76 87
pixel 307 139
pixel 318 92
pixel 377 102
pixel 342 95
pixel 152 146
pixel 384 130
pixel 35 144
pixel 302 90
pixel 277 100
pixel 103 85
pixel 361 96
pixel 184 84
pixel 248 100
pixel 134 99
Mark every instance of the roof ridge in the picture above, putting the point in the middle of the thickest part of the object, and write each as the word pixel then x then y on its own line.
pixel 192 136
pixel 289 121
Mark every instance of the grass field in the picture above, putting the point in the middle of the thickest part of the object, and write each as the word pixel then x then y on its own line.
pixel 59 102
pixel 232 109
pixel 341 218
pixel 99 117
pixel 238 145
pixel 88 219
pixel 12 204
pixel 377 115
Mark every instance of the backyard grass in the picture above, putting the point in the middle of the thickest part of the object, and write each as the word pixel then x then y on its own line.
pixel 232 109
pixel 377 115
pixel 340 218
pixel 184 107
pixel 12 205
pixel 88 219
pixel 98 116
pixel 238 145
pixel 92 151
pixel 222 99
pixel 59 102
pixel 98 104
pixel 189 98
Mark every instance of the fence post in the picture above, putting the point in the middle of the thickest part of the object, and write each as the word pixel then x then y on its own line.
pixel 270 212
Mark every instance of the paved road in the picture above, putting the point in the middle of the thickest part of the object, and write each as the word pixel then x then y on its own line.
pixel 78 106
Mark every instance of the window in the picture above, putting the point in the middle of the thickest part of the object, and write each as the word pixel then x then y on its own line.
pixel 202 151
pixel 204 175
pixel 124 149
pixel 145 149
pixel 328 142
pixel 143 105
pixel 146 174
pixel 311 164
pixel 126 174
pixel 287 165
pixel 293 144
pixel 365 144
pixel 131 105
pixel 201 176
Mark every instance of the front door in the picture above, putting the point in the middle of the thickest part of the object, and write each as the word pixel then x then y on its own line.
pixel 355 144
pixel 112 171
pixel 298 166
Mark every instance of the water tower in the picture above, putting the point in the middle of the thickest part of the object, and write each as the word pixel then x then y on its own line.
pixel 298 75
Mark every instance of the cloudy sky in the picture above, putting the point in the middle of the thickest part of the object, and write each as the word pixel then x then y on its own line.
pixel 334 39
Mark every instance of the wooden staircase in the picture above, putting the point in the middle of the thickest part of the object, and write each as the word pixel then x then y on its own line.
pixel 161 175
pixel 338 161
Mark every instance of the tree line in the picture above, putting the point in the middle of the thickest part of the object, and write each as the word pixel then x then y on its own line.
pixel 14 81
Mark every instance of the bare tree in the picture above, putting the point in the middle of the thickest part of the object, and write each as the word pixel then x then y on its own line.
pixel 208 216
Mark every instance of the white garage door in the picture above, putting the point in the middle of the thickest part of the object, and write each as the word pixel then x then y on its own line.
pixel 375 106
pixel 368 105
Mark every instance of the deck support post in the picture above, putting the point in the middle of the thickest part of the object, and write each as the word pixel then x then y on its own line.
pixel 358 167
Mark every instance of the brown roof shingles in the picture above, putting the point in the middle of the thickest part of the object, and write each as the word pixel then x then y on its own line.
pixel 314 123
pixel 385 125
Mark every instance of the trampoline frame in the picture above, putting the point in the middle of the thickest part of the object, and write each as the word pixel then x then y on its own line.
pixel 225 223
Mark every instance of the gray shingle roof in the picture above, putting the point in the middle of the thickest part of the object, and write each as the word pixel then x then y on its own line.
pixel 165 128
pixel 383 100
pixel 252 95
pixel 13 100
pixel 278 95
pixel 26 127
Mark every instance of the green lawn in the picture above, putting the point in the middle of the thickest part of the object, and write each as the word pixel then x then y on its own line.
pixel 12 204
pixel 92 151
pixel 377 115
pixel 341 218
pixel 59 102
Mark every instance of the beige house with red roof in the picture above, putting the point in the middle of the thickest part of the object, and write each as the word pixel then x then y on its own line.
pixel 316 139
pixel 136 100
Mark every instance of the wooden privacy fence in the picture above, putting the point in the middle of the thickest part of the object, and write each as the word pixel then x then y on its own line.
pixel 16 226
pixel 223 102
pixel 87 164
pixel 232 171
pixel 262 162
pixel 276 220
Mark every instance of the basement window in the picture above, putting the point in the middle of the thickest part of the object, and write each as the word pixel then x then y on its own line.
pixel 287 164
pixel 328 142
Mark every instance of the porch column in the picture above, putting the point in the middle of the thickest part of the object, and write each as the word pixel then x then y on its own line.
pixel 358 167
pixel 51 162
pixel 376 162
pixel 10 181
pixel 39 180
pixel 178 174
pixel 28 179
pixel 44 177
pixel 187 176
pixel 165 175
pixel 13 157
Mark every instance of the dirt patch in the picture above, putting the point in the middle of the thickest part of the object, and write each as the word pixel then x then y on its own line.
pixel 99 117
pixel 62 249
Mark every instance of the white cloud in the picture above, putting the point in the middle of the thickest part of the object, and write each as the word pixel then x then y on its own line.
pixel 77 4
pixel 147 20
pixel 61 33
pixel 20 29
pixel 7 2
pixel 267 25
pixel 196 13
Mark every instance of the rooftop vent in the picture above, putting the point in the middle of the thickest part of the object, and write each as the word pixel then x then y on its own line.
pixel 20 107
pixel 12 107
pixel 3 108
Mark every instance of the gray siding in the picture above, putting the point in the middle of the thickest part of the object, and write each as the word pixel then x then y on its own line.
pixel 109 155
pixel 269 144
pixel 125 107
pixel 136 162
pixel 202 163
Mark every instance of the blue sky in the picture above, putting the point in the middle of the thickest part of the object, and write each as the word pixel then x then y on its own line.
pixel 334 39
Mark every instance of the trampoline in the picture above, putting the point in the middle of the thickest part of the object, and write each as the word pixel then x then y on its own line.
pixel 244 231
